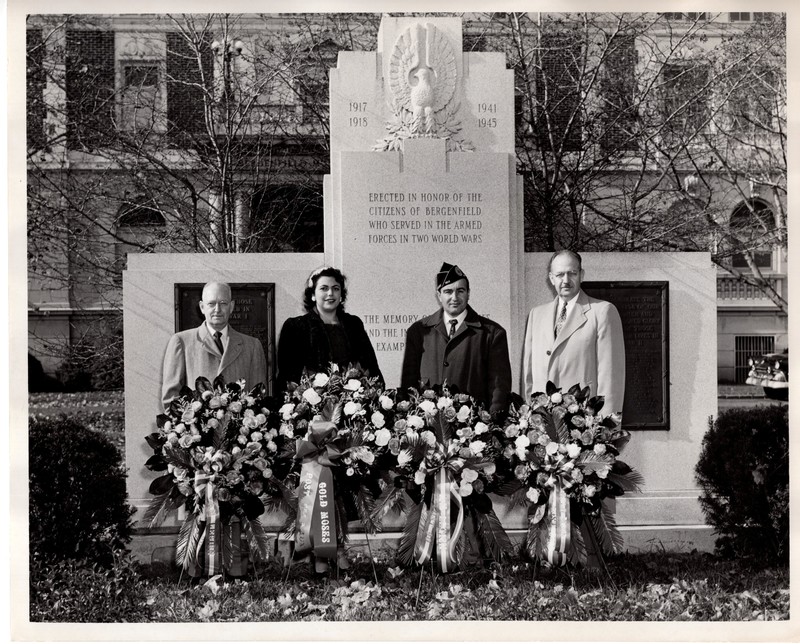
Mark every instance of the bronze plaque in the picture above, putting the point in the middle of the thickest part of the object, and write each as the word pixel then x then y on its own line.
pixel 644 309
pixel 254 314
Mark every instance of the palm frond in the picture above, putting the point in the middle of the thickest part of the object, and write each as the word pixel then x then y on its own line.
pixel 562 431
pixel 284 501
pixel 256 537
pixel 461 547
pixel 577 547
pixel 220 432
pixel 550 426
pixel 365 504
pixel 536 537
pixel 630 482
pixel 605 528
pixel 177 457
pixel 493 536
pixel 188 540
pixel 391 498
pixel 405 550
pixel 159 507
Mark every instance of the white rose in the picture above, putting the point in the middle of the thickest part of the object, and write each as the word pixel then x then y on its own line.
pixel 256 436
pixel 469 476
pixel 481 427
pixel 512 431
pixel 477 447
pixel 382 437
pixel 490 469
pixel 428 406
pixel 444 402
pixel 353 385
pixel 556 398
pixel 465 489
pixel 287 430
pixel 573 449
pixel 590 491
pixel 463 413
pixel 378 420
pixel 366 456
pixel 386 402
pixel 522 442
pixel 267 473
pixel 286 411
pixel 419 477
pixel 351 408
pixel 532 495
pixel 600 449
pixel 603 473
pixel 350 471
pixel 196 405
pixel 429 437
pixel 320 380
pixel 415 422
pixel 261 419
pixel 551 448
pixel 272 447
pixel 311 396
pixel 206 394
pixel 220 414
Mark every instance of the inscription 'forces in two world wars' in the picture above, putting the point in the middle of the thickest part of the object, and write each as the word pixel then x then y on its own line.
pixel 425 217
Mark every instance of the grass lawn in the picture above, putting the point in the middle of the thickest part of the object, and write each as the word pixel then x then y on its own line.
pixel 643 587
pixel 653 587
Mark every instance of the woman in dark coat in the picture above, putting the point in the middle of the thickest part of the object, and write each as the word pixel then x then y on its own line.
pixel 325 334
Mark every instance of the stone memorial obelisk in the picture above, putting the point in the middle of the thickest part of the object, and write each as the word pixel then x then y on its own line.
pixel 423 171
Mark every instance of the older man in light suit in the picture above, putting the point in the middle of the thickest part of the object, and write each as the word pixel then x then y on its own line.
pixel 212 349
pixel 576 339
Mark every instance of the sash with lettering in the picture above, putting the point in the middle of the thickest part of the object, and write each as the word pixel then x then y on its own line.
pixel 209 546
pixel 316 508
pixel 560 528
pixel 434 524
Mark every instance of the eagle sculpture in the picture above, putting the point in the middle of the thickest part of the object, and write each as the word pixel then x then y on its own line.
pixel 422 76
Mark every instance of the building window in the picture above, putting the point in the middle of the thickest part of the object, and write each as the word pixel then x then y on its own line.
pixel 750 346
pixel 286 218
pixel 558 92
pixel 618 93
pixel 138 230
pixel 739 16
pixel 752 224
pixel 753 103
pixel 685 97
pixel 686 16
pixel 140 99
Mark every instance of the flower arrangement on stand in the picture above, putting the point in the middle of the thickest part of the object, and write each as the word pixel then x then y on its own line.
pixel 443 449
pixel 564 458
pixel 335 423
pixel 217 444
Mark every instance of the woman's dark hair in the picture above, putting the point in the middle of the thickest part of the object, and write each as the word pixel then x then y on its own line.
pixel 328 271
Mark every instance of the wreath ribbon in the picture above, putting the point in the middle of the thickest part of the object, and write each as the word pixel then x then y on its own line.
pixel 559 530
pixel 434 524
pixel 316 515
pixel 211 536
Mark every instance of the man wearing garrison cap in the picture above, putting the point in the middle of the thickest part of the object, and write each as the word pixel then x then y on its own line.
pixel 457 346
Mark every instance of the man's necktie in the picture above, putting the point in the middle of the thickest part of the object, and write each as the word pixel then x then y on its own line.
pixel 453 325
pixel 218 341
pixel 561 319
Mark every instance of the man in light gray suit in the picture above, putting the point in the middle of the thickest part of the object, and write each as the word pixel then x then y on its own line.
pixel 212 349
pixel 575 339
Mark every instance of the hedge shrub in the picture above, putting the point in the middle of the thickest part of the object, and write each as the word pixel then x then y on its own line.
pixel 744 472
pixel 78 501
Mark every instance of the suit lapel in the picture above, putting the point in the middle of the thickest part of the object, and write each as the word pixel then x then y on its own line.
pixel 233 350
pixel 575 320
pixel 207 341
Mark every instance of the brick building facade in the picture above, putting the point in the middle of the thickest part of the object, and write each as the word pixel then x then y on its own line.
pixel 210 134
